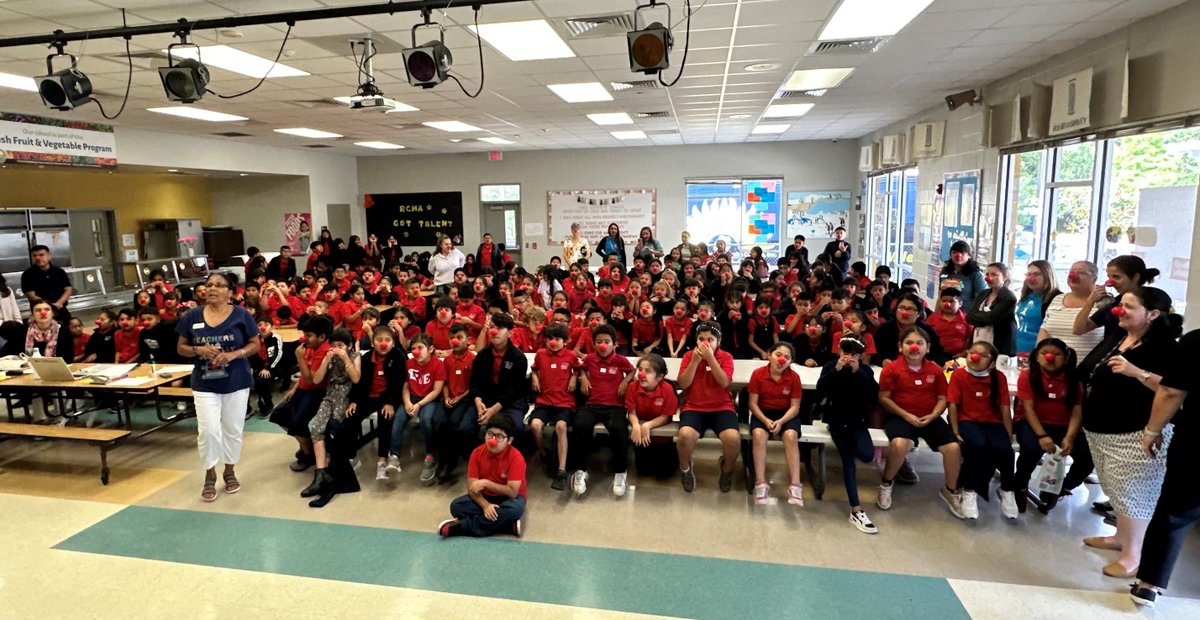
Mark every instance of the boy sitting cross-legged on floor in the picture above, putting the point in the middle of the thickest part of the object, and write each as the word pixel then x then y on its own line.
pixel 495 499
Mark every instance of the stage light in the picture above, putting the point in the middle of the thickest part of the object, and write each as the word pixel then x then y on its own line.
pixel 427 65
pixel 64 89
pixel 183 81
pixel 650 47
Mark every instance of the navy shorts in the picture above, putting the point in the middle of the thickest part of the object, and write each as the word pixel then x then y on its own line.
pixel 703 421
pixel 936 434
pixel 793 424
pixel 552 415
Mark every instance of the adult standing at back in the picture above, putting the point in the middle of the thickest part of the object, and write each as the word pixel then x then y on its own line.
pixel 1125 273
pixel 1039 289
pixel 1064 309
pixel 46 281
pixel 489 254
pixel 575 247
pixel 991 312
pixel 220 337
pixel 444 262
pixel 685 247
pixel 282 267
pixel 839 250
pixel 962 272
pixel 648 248
pixel 612 244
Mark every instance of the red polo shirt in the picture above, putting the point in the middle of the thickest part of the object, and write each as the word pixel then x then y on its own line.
pixel 379 381
pixel 500 468
pixel 312 358
pixel 472 311
pixel 440 333
pixel 677 328
pixel 485 255
pixel 917 391
pixel 955 332
pixel 973 396
pixel 772 394
pixel 605 375
pixel 458 372
pixel 126 342
pixel 554 369
pixel 421 378
pixel 661 401
pixel 705 394
pixel 646 330
pixel 1051 408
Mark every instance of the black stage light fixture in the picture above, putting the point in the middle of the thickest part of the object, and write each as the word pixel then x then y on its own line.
pixel 650 46
pixel 428 65
pixel 184 81
pixel 64 89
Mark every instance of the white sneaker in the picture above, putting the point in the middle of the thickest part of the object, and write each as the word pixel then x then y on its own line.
pixel 796 494
pixel 884 501
pixel 579 481
pixel 954 501
pixel 863 523
pixel 620 484
pixel 970 504
pixel 393 463
pixel 381 471
pixel 762 491
pixel 180 406
pixel 1008 505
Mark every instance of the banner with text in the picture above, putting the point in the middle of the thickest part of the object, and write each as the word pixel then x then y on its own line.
pixel 416 219
pixel 594 210
pixel 297 231
pixel 62 142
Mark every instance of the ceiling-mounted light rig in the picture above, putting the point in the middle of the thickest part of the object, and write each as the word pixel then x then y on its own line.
pixel 184 81
pixel 650 46
pixel 64 89
pixel 427 65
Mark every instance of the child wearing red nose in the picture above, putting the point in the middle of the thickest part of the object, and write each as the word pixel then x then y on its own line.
pixel 647 330
pixel 422 401
pixel 621 318
pixel 370 320
pixel 651 402
pixel 981 418
pixel 265 365
pixel 950 323
pixel 79 338
pixel 677 328
pixel 496 487
pixel 908 314
pixel 855 326
pixel 705 372
pixel 775 391
pixel 404 327
pixel 582 341
pixel 605 379
pixel 839 304
pixel 663 299
pixel 604 295
pixel 170 309
pixel 498 379
pixel 553 379
pixel 468 312
pixel 438 329
pixel 692 295
pixel 352 310
pixel 529 337
pixel 457 402
pixel 101 347
pixel 155 338
pixel 813 347
pixel 793 326
pixel 764 329
pixel 126 339
pixel 414 301
pixel 1048 418
pixel 912 390
pixel 707 311
pixel 384 374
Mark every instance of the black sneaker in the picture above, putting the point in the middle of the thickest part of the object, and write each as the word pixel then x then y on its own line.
pixel 517 526
pixel 560 480
pixel 1143 597
pixel 906 474
pixel 689 478
pixel 1102 507
pixel 448 528
pixel 725 482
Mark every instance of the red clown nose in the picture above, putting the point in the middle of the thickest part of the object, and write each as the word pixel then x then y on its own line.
pixel 603 348
pixel 975 357
pixel 989 279
pixel 916 348
pixel 814 330
pixel 383 346
pixel 493 331
pixel 97 321
pixel 904 314
pixel 947 305
pixel 1109 283
pixel 492 442
pixel 641 375
pixel 454 342
pixel 1118 311
pixel 1049 357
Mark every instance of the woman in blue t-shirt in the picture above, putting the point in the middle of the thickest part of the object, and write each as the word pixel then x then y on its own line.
pixel 220 337
pixel 1039 289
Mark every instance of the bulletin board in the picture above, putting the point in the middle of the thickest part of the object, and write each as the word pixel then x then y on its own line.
pixel 595 209
pixel 416 219
pixel 958 214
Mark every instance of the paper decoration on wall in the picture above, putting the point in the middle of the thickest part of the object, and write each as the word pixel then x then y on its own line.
pixel 816 214
pixel 892 152
pixel 743 213
pixel 1071 103
pixel 927 140
pixel 594 210
pixel 416 219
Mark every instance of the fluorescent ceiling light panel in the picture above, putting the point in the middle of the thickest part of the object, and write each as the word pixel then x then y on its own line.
pixel 237 61
pixel 395 106
pixel 495 140
pixel 629 135
pixel 612 118
pixel 581 93
pixel 787 110
pixel 528 40
pixel 862 19
pixel 305 132
pixel 198 114
pixel 455 126
pixel 383 146
pixel 816 79
pixel 19 82
pixel 769 128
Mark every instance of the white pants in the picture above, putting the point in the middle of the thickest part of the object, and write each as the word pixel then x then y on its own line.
pixel 220 419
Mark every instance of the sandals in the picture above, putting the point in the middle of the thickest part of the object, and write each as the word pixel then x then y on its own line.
pixel 209 492
pixel 231 483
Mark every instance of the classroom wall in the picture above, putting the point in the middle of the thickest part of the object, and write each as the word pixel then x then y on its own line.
pixel 803 165
pixel 256 205
pixel 1164 83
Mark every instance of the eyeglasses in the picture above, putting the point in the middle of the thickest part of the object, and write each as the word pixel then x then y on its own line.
pixel 496 436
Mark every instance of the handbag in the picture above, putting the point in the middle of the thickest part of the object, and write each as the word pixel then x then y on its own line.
pixel 1051 471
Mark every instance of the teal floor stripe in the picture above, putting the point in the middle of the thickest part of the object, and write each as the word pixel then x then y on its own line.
pixel 613 579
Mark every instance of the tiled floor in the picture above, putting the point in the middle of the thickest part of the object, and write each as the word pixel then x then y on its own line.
pixel 145 546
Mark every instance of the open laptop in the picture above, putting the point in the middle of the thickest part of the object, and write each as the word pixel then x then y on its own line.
pixel 53 369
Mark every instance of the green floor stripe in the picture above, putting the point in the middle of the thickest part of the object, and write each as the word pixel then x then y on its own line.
pixel 613 579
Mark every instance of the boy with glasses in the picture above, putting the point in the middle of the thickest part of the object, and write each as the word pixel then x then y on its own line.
pixel 495 499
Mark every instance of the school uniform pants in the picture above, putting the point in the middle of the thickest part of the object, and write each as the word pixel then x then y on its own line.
pixel 431 417
pixel 451 444
pixel 1031 455
pixel 473 523
pixel 220 420
pixel 468 427
pixel 584 430
pixel 985 449
pixel 852 444
pixel 1177 510
pixel 383 426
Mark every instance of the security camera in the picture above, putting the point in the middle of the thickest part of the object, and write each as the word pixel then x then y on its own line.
pixel 966 97
pixel 834 140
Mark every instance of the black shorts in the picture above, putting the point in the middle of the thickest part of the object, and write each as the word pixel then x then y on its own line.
pixel 936 434
pixel 793 424
pixel 703 421
pixel 552 415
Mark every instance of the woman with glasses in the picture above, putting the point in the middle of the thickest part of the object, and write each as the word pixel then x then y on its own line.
pixel 1039 289
pixel 1063 310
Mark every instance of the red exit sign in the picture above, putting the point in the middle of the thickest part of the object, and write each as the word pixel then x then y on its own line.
pixel 495 156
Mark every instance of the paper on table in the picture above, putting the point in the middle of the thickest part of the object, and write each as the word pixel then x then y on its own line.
pixel 109 371
pixel 174 368
pixel 131 381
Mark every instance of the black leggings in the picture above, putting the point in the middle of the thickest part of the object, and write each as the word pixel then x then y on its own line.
pixel 985 448
pixel 383 426
pixel 1177 511
pixel 1031 454
pixel 852 444
pixel 584 429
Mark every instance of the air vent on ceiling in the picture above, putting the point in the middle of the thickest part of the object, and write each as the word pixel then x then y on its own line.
pixel 405 126
pixel 794 94
pixel 599 25
pixel 314 103
pixel 653 115
pixel 316 146
pixel 848 46
pixel 232 134
pixel 638 85
pixel 662 132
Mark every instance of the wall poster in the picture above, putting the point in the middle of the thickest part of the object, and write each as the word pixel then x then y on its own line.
pixel 595 209
pixel 297 231
pixel 742 212
pixel 416 219
pixel 815 214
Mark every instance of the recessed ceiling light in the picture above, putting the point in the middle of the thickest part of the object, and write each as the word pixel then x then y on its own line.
pixel 383 146
pixel 787 110
pixel 762 66
pixel 580 93
pixel 734 117
pixel 198 114
pixel 629 135
pixel 812 79
pixel 393 106
pixel 528 40
pixel 237 61
pixel 456 140
pixel 172 170
pixel 455 126
pixel 495 140
pixel 19 82
pixel 243 174
pixel 611 118
pixel 765 129
pixel 305 132
pixel 861 19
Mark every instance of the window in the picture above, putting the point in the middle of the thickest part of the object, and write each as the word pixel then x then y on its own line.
pixel 893 215
pixel 743 213
pixel 500 207
pixel 499 193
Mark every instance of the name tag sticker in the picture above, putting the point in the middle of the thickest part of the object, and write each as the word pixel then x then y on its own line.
pixel 787 390
pixel 658 402
pixel 553 366
pixel 918 382
pixel 978 394
pixel 198 325
pixel 1052 396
